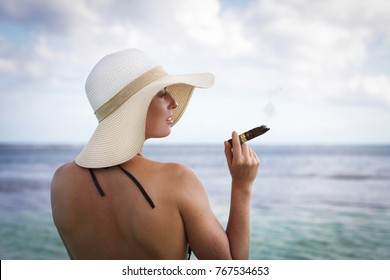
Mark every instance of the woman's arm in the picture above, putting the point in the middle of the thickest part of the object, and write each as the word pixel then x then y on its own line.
pixel 243 165
pixel 205 234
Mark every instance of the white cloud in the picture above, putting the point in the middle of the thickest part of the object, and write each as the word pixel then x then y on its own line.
pixel 317 51
pixel 315 46
pixel 7 66
pixel 378 86
pixel 206 25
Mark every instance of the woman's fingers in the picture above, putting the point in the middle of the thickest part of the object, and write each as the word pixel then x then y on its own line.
pixel 237 153
pixel 242 161
pixel 245 151
pixel 228 153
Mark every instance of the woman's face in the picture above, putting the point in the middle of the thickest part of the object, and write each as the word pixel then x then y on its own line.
pixel 159 118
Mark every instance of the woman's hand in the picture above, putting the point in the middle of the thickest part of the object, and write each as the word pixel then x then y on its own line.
pixel 242 161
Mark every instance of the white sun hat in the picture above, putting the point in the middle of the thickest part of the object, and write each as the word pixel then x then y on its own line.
pixel 120 88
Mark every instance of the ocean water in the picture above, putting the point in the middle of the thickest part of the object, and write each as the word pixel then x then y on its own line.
pixel 309 202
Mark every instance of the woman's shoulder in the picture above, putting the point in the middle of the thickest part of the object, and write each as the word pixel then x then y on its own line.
pixel 178 170
pixel 66 174
pixel 186 188
pixel 175 173
pixel 66 169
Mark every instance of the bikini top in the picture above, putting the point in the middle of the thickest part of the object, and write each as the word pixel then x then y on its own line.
pixel 101 192
pixel 139 186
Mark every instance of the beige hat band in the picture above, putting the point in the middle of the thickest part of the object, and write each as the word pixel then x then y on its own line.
pixel 128 91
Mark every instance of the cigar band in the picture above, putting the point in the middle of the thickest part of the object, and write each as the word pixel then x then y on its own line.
pixel 243 137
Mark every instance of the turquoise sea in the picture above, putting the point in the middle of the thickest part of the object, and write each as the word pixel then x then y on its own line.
pixel 309 202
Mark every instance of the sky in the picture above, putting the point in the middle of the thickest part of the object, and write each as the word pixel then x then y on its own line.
pixel 315 72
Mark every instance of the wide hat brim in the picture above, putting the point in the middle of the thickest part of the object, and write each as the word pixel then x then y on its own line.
pixel 121 135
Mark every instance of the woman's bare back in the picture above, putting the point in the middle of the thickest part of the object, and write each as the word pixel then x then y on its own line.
pixel 121 224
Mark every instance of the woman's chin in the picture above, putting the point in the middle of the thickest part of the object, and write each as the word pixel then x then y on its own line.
pixel 159 135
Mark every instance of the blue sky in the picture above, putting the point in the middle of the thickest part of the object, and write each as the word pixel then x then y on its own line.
pixel 316 72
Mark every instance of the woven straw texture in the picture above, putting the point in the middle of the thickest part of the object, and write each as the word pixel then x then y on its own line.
pixel 121 135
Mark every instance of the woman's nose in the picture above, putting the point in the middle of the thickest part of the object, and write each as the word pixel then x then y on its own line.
pixel 173 104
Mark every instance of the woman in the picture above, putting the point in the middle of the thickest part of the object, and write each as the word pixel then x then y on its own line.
pixel 113 203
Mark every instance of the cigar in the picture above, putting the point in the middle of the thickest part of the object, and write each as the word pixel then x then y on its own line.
pixel 250 134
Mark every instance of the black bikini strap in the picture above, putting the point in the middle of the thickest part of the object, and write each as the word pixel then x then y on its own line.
pixel 138 185
pixel 189 253
pixel 96 182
